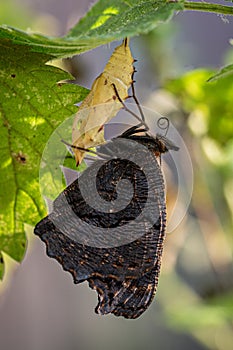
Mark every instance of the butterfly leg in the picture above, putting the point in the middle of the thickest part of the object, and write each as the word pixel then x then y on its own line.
pixel 99 154
pixel 141 119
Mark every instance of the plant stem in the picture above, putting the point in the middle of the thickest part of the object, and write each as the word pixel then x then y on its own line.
pixel 208 7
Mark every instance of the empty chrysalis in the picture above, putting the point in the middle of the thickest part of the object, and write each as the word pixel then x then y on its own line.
pixel 88 126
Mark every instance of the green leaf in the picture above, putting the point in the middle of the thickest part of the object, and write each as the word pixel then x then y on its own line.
pixel 13 245
pixel 106 21
pixel 223 73
pixel 54 47
pixel 117 19
pixel 32 105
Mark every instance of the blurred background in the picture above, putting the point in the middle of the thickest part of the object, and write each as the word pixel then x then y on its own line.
pixel 40 307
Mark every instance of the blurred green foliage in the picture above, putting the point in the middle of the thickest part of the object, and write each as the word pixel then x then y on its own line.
pixel 207 111
pixel 8 11
pixel 211 103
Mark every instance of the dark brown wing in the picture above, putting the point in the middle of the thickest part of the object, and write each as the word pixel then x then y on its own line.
pixel 124 275
pixel 130 297
pixel 117 275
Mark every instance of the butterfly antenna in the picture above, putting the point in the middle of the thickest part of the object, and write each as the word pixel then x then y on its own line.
pixel 163 124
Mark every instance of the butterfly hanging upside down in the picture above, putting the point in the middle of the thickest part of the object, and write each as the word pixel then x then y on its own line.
pixel 117 248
